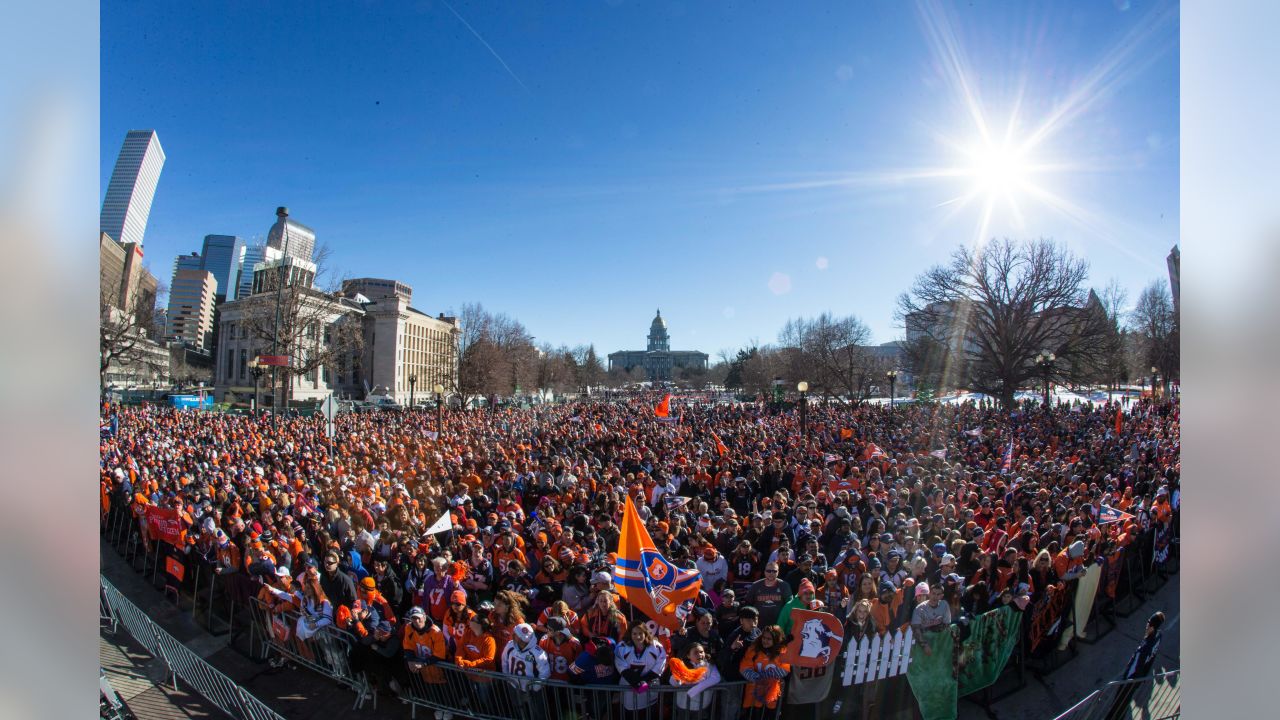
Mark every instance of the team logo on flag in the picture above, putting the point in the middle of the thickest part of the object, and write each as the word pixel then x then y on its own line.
pixel 649 581
pixel 816 638
pixel 1108 514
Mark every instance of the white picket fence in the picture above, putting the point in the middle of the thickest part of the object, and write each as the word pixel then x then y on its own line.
pixel 878 657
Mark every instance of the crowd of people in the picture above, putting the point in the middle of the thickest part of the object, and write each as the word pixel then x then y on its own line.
pixel 914 516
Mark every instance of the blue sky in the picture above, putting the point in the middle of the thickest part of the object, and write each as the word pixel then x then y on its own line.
pixel 578 165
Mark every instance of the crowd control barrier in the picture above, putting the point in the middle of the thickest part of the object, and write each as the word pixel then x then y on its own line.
pixel 1158 697
pixel 181 662
pixel 487 695
pixel 327 652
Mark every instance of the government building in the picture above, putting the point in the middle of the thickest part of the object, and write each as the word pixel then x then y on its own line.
pixel 659 360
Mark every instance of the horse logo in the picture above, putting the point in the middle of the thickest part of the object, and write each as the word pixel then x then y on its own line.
pixel 816 639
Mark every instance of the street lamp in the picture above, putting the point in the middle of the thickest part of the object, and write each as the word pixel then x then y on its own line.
pixel 256 368
pixel 413 380
pixel 439 407
pixel 803 387
pixel 1045 361
pixel 893 378
pixel 1155 375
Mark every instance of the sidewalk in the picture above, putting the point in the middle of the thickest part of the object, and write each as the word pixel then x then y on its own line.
pixel 294 693
pixel 1095 666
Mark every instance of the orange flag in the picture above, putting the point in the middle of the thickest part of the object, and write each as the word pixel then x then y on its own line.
pixel 720 447
pixel 647 580
pixel 663 409
pixel 1118 423
pixel 846 433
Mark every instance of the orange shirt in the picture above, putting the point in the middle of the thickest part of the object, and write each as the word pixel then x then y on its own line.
pixel 766 691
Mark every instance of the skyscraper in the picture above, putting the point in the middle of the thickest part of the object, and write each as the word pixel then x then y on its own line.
pixel 191 307
pixel 301 240
pixel 188 262
pixel 133 185
pixel 222 256
pixel 253 255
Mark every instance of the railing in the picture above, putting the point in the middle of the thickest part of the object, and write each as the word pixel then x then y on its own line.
pixel 1158 698
pixel 327 652
pixel 181 661
pixel 487 695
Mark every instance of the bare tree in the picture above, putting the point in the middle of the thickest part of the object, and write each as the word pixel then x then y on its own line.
pixel 496 355
pixel 1155 323
pixel 294 316
pixel 126 325
pixel 986 315
pixel 831 353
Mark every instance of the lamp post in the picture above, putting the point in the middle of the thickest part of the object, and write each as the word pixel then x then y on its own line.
pixel 803 387
pixel 1155 375
pixel 257 370
pixel 413 380
pixel 439 407
pixel 893 379
pixel 1045 361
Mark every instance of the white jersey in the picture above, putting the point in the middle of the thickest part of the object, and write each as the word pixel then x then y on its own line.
pixel 713 570
pixel 530 662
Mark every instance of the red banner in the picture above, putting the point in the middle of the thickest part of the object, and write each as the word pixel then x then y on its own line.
pixel 175 568
pixel 816 638
pixel 164 524
pixel 274 360
pixel 1045 617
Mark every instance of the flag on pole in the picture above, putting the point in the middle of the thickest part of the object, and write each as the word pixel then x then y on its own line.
pixel 663 409
pixel 1007 464
pixel 1118 419
pixel 443 524
pixel 647 580
pixel 720 446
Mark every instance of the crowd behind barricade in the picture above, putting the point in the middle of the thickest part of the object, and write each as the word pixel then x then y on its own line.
pixel 917 516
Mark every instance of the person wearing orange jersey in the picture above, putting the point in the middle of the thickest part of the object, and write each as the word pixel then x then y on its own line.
pixel 458 617
pixel 764 668
pixel 424 647
pixel 561 646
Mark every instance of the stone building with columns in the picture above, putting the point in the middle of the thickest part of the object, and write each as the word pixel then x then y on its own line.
pixel 658 360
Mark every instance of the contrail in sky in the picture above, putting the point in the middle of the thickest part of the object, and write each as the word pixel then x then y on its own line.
pixel 488 46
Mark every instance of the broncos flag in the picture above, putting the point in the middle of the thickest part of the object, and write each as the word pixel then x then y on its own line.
pixel 647 580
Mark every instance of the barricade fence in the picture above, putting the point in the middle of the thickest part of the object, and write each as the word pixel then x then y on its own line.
pixel 489 695
pixel 1123 585
pixel 327 651
pixel 1158 697
pixel 181 662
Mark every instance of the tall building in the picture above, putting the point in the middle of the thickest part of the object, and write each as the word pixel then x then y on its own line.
pixel 253 256
pixel 191 296
pixel 188 262
pixel 291 237
pixel 401 342
pixel 1174 262
pixel 133 185
pixel 658 360
pixel 266 276
pixel 222 256
pixel 127 303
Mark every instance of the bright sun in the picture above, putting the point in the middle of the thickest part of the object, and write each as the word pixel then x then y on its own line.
pixel 998 170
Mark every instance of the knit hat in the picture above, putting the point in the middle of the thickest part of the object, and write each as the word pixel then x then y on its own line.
pixel 922 589
pixel 806 584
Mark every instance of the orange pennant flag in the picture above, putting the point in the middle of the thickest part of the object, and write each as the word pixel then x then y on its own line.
pixel 720 447
pixel 663 409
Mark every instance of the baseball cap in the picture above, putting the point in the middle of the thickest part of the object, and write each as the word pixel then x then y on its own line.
pixel 458 596
pixel 922 589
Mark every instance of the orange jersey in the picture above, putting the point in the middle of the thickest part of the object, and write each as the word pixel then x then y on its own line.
pixel 561 656
pixel 425 643
pixel 766 691
pixel 476 651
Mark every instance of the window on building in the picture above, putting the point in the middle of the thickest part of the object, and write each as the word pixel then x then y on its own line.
pixel 244 363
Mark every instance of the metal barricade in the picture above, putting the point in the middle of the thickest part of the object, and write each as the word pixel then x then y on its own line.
pixel 488 695
pixel 182 663
pixel 328 652
pixel 1153 698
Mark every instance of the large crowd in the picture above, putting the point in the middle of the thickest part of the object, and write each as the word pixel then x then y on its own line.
pixel 914 516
